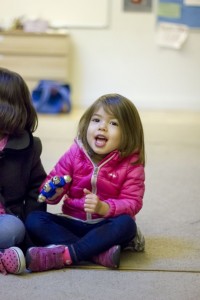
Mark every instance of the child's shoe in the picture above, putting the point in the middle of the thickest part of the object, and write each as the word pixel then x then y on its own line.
pixel 45 258
pixel 137 244
pixel 12 261
pixel 109 258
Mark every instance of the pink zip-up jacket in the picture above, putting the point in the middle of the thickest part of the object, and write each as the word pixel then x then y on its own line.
pixel 114 180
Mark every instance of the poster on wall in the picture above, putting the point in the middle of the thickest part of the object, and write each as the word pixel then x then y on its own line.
pixel 186 12
pixel 171 35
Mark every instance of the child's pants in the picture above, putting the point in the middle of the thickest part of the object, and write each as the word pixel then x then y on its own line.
pixel 12 231
pixel 83 240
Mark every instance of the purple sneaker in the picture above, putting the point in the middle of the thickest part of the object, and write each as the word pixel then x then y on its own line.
pixel 12 261
pixel 40 259
pixel 109 258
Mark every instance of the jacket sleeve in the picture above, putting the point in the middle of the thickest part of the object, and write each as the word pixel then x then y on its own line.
pixel 63 167
pixel 130 200
pixel 37 175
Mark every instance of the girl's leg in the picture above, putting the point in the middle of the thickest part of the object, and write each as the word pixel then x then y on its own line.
pixel 45 229
pixel 84 240
pixel 102 236
pixel 12 231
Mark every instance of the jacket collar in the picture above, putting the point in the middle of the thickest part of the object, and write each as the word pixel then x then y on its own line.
pixel 115 154
pixel 20 142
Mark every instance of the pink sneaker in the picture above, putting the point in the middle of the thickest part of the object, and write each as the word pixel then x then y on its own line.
pixel 109 258
pixel 12 261
pixel 40 259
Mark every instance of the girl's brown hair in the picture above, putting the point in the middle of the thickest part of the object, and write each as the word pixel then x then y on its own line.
pixel 129 120
pixel 16 110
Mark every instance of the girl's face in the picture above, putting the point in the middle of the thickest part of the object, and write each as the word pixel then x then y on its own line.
pixel 103 133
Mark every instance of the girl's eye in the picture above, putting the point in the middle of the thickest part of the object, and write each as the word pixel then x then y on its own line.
pixel 114 123
pixel 95 120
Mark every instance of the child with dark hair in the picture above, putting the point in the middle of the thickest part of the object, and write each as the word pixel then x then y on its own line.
pixel 106 163
pixel 21 171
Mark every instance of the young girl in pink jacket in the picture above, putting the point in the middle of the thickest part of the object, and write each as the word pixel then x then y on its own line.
pixel 106 165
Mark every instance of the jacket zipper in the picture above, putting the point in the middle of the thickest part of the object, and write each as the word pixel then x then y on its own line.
pixel 94 180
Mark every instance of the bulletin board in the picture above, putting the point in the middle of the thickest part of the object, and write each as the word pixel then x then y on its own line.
pixel 186 12
pixel 60 13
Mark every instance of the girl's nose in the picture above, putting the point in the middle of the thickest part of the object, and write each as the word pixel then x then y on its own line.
pixel 103 126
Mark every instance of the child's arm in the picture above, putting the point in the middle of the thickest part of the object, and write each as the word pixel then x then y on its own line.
pixel 130 199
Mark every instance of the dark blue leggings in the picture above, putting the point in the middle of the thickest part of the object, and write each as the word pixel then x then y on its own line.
pixel 83 240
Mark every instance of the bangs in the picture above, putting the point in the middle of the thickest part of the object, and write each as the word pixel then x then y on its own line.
pixel 112 106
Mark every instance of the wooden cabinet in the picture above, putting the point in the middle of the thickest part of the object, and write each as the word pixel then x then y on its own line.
pixel 36 56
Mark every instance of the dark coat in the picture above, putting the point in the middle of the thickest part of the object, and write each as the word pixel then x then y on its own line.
pixel 21 174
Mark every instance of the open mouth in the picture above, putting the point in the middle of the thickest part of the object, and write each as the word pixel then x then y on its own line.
pixel 100 141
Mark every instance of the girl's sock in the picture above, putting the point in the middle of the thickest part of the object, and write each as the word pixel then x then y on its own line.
pixel 67 257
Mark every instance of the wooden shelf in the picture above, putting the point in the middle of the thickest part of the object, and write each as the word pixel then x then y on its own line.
pixel 36 56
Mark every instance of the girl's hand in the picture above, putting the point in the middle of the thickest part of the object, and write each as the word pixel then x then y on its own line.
pixel 93 204
pixel 58 192
pixel 47 194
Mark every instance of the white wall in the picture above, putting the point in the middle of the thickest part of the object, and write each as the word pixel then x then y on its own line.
pixel 124 58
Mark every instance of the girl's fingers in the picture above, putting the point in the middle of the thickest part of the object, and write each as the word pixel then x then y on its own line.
pixel 86 191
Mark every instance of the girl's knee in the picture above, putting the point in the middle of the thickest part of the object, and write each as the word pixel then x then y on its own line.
pixel 128 223
pixel 33 219
pixel 127 220
pixel 12 231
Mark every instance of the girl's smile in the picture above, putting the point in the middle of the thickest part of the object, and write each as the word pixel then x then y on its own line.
pixel 100 141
